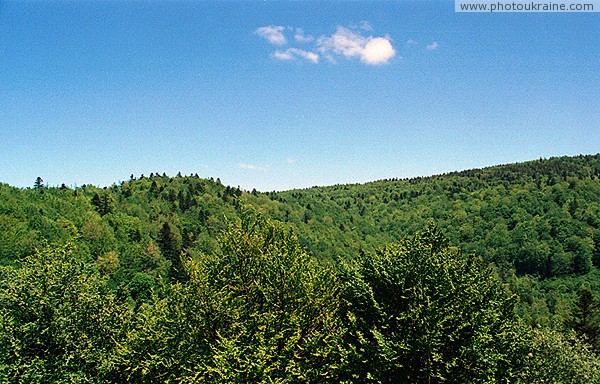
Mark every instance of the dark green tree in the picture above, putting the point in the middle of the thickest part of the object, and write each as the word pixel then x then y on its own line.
pixel 38 185
pixel 582 251
pixel 103 203
pixel 585 318
pixel 97 202
pixel 169 241
pixel 422 312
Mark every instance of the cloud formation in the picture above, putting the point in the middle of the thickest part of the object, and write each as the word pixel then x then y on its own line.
pixel 300 37
pixel 248 167
pixel 377 51
pixel 370 50
pixel 433 46
pixel 273 34
pixel 344 43
pixel 251 167
pixel 292 53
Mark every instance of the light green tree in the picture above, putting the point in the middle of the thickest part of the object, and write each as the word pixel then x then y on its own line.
pixel 257 310
pixel 558 358
pixel 59 322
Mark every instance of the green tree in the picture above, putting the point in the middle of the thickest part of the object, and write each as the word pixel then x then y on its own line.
pixel 38 185
pixel 558 358
pixel 16 239
pixel 582 251
pixel 97 235
pixel 169 241
pixel 257 310
pixel 422 312
pixel 59 322
pixel 103 203
pixel 585 318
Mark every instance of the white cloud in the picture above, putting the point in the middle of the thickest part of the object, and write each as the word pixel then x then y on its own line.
pixel 283 55
pixel 292 53
pixel 411 42
pixel 345 42
pixel 249 167
pixel 433 46
pixel 342 42
pixel 254 168
pixel 377 51
pixel 310 56
pixel 370 50
pixel 300 37
pixel 365 25
pixel 273 34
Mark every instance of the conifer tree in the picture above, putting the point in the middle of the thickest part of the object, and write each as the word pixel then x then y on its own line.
pixel 39 184
pixel 169 242
pixel 585 319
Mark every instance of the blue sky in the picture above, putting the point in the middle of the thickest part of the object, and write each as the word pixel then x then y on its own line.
pixel 277 95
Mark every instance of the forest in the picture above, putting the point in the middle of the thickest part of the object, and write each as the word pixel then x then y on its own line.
pixel 480 276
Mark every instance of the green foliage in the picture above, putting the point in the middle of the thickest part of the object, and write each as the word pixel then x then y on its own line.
pixel 558 358
pixel 16 239
pixel 538 217
pixel 550 302
pixel 422 312
pixel 58 321
pixel 102 203
pixel 171 279
pixel 258 310
pixel 585 319
pixel 169 242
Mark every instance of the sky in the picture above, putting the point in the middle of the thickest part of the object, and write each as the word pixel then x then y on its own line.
pixel 276 95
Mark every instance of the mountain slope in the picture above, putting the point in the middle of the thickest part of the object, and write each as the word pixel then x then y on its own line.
pixel 540 217
pixel 185 279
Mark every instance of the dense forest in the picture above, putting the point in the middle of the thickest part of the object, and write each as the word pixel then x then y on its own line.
pixel 482 276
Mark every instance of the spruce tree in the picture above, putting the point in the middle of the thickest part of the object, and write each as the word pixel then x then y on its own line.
pixel 585 319
pixel 39 184
pixel 169 243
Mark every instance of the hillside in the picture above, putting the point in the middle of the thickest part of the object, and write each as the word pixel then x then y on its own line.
pixel 155 239
pixel 540 217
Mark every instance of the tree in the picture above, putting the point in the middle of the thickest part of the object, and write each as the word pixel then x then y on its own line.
pixel 582 251
pixel 103 203
pixel 421 312
pixel 59 322
pixel 559 358
pixel 257 310
pixel 97 202
pixel 585 318
pixel 169 241
pixel 38 185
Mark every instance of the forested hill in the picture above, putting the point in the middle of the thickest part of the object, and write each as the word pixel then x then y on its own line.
pixel 540 217
pixel 477 276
